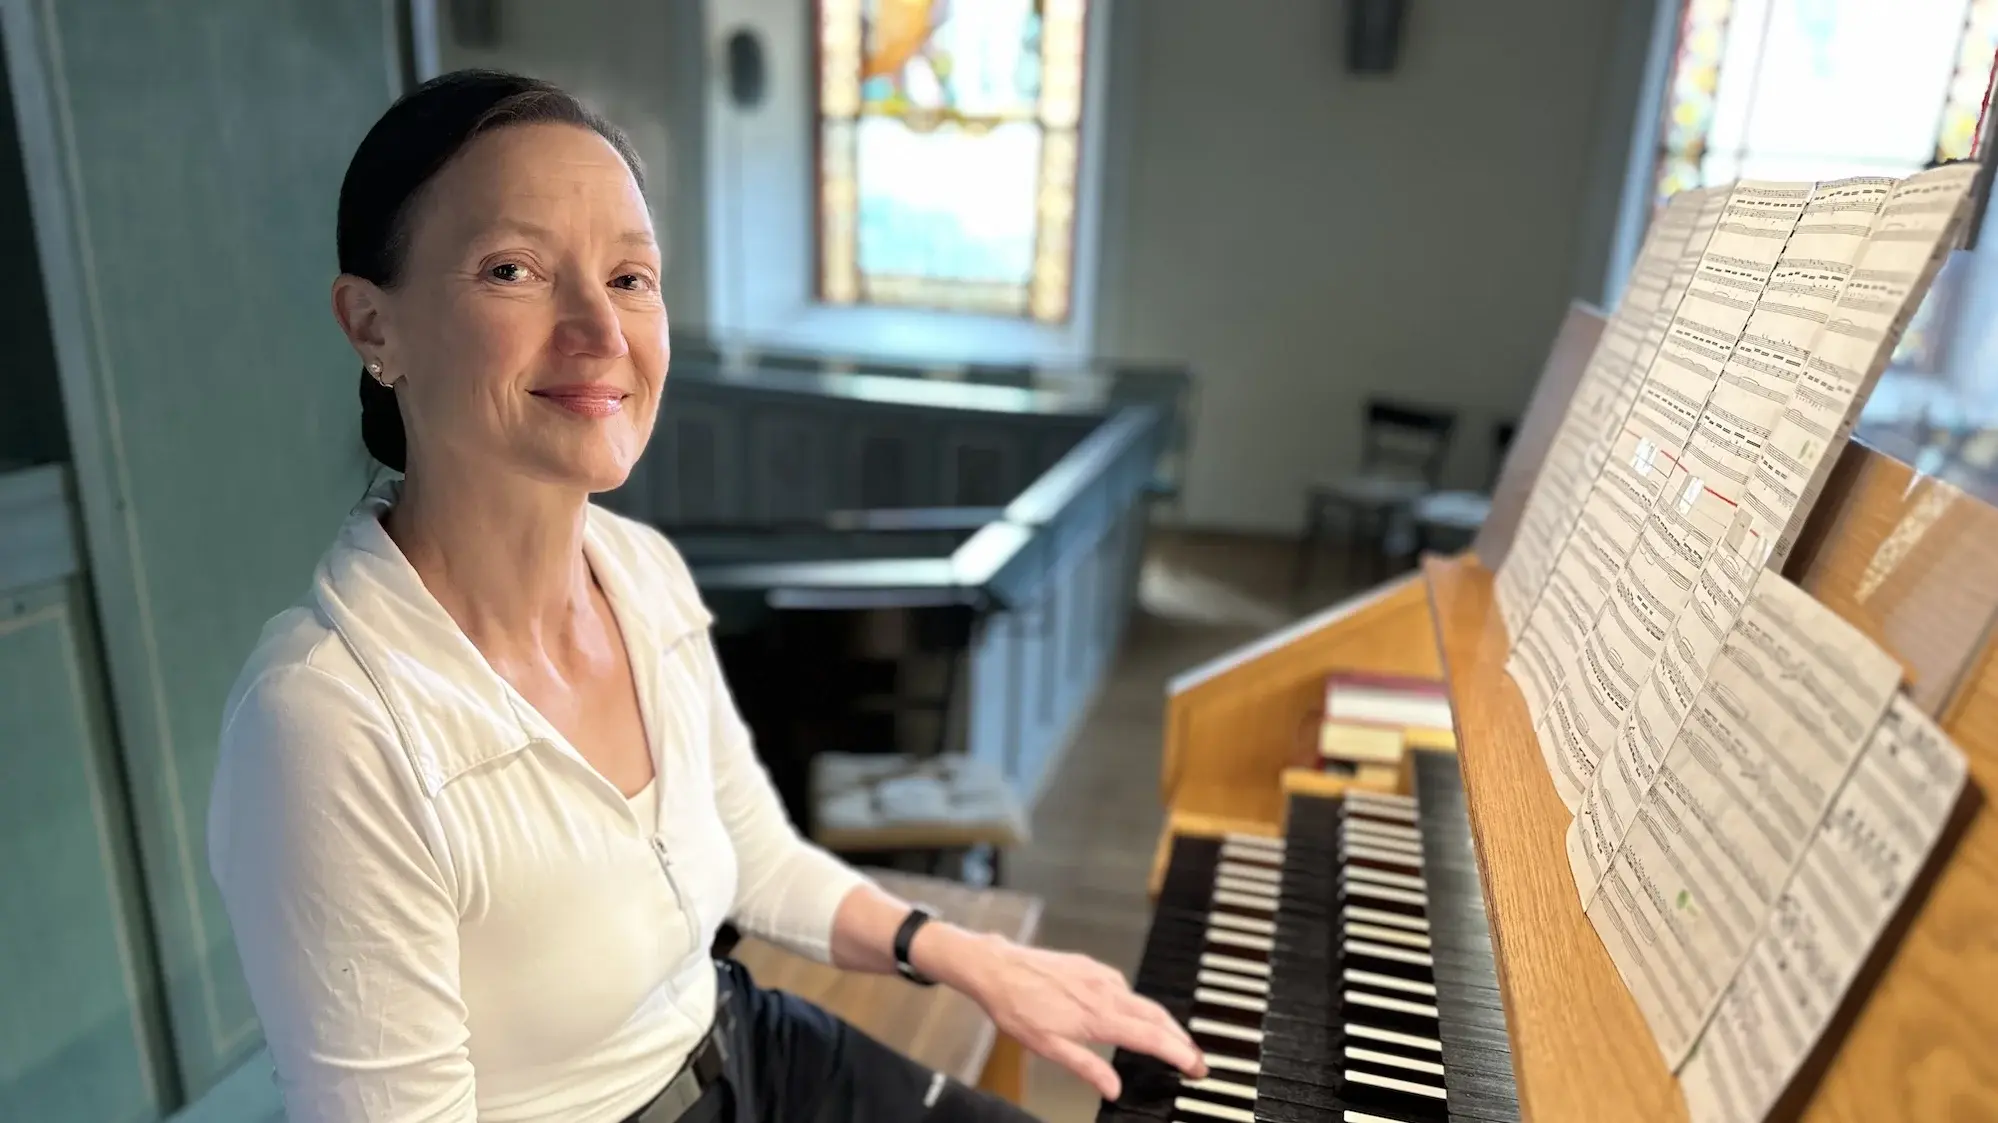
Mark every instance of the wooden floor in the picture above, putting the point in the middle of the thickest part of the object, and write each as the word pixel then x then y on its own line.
pixel 1094 830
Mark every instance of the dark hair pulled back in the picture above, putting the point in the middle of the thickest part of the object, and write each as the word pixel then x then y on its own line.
pixel 409 145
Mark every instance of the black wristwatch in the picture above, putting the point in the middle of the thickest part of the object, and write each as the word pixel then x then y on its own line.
pixel 919 915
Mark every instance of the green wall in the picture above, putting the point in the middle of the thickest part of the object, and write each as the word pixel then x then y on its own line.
pixel 183 161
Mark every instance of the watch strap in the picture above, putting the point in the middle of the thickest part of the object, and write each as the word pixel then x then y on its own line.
pixel 905 935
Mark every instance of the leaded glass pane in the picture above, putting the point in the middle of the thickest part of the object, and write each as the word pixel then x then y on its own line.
pixel 948 144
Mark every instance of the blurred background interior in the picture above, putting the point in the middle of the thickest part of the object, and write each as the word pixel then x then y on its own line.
pixel 1026 354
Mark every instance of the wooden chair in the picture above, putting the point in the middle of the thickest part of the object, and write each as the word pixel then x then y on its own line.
pixel 1401 455
pixel 1453 517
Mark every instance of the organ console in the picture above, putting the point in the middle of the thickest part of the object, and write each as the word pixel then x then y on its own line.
pixel 1343 971
pixel 1411 947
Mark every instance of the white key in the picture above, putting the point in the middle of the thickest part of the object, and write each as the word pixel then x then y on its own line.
pixel 1392 845
pixel 1241 923
pixel 1250 855
pixel 1403 815
pixel 1382 1002
pixel 1384 935
pixel 1248 901
pixel 1383 830
pixel 1382 916
pixel 1222 1062
pixel 1365 801
pixel 1253 842
pixel 1390 1037
pixel 1224 1087
pixel 1386 893
pixel 1213 1110
pixel 1246 887
pixel 1386 857
pixel 1389 1082
pixel 1389 982
pixel 1378 805
pixel 1382 951
pixel 1373 1056
pixel 1244 940
pixel 1233 963
pixel 1232 982
pixel 1214 997
pixel 1252 873
pixel 1386 877
pixel 1212 1028
pixel 1390 799
pixel 1352 1116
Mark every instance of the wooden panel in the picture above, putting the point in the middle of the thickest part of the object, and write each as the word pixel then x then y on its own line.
pixel 1919 1044
pixel 983 467
pixel 1230 733
pixel 1911 561
pixel 1580 1048
pixel 935 1026
pixel 883 472
pixel 183 164
pixel 704 479
pixel 1574 343
pixel 1914 563
pixel 75 1040
pixel 789 466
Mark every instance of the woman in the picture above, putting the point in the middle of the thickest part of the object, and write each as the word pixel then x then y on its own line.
pixel 484 799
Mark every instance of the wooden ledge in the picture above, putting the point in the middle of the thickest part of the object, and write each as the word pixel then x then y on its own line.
pixel 935 1026
pixel 1580 1048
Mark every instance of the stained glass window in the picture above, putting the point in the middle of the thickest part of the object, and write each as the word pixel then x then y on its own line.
pixel 1817 89
pixel 1968 86
pixel 1689 100
pixel 948 143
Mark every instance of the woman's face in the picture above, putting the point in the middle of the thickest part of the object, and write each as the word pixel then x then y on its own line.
pixel 527 323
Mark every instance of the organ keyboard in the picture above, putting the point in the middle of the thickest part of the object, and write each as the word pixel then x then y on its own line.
pixel 1341 973
pixel 1911 1039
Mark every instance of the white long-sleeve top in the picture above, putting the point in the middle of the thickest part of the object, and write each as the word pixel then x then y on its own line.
pixel 445 913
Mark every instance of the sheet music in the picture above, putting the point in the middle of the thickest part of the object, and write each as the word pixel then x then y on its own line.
pixel 1854 876
pixel 1916 230
pixel 1911 236
pixel 1699 506
pixel 1794 695
pixel 1624 353
pixel 1756 224
pixel 1616 357
pixel 1598 420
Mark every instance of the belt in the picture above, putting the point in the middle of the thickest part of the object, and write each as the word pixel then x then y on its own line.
pixel 704 1068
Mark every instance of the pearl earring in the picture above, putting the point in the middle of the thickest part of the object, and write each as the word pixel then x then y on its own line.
pixel 375 371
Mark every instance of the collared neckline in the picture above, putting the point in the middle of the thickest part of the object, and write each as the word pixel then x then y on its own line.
pixel 454 712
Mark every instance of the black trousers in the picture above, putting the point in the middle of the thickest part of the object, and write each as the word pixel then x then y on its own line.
pixel 789 1061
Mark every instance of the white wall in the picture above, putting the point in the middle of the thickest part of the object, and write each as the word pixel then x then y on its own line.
pixel 639 64
pixel 1305 237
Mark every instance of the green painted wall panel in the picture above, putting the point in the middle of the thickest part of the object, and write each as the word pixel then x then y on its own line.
pixel 75 1045
pixel 184 161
